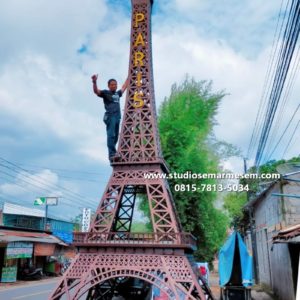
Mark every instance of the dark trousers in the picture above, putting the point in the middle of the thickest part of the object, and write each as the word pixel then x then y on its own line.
pixel 112 122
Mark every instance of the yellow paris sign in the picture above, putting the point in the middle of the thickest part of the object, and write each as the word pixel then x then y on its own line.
pixel 138 61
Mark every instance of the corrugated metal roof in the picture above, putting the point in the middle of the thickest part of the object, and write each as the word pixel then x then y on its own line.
pixel 288 235
pixel 13 209
pixel 7 236
pixel 290 229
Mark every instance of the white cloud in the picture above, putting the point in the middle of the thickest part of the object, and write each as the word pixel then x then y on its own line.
pixel 207 59
pixel 190 5
pixel 57 95
pixel 33 183
pixel 57 28
pixel 51 99
pixel 54 91
pixel 25 187
pixel 45 84
pixel 182 49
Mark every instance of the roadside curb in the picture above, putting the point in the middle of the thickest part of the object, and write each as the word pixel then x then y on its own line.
pixel 20 283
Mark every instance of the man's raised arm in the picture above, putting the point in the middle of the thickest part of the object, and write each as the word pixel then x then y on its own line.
pixel 125 85
pixel 95 88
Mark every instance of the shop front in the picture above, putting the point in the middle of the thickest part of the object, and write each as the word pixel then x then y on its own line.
pixel 23 252
pixel 16 255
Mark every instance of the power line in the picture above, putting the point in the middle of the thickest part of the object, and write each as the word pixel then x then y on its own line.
pixel 273 103
pixel 267 82
pixel 285 150
pixel 290 38
pixel 280 114
pixel 28 189
pixel 8 199
pixel 69 192
pixel 284 131
pixel 71 177
pixel 259 127
pixel 62 170
pixel 292 145
pixel 31 184
pixel 40 186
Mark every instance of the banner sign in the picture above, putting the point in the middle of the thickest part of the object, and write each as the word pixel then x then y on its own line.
pixel 52 201
pixel 19 250
pixel 86 219
pixel 40 201
pixel 46 200
pixel 67 237
pixel 9 274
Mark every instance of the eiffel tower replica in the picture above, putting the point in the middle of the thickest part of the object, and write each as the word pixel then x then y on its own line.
pixel 109 255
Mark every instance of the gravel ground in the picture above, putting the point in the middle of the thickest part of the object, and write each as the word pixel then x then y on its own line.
pixel 256 294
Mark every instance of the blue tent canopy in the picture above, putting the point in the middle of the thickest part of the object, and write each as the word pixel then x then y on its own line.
pixel 227 260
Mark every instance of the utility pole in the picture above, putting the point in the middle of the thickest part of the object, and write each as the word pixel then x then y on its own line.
pixel 245 165
pixel 46 201
pixel 252 230
pixel 46 216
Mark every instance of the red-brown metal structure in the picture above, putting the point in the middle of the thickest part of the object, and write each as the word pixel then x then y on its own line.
pixel 110 251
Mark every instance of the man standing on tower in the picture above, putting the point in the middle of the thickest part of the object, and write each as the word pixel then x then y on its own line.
pixel 112 116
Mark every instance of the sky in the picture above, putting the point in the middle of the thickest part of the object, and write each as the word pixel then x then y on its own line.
pixel 50 120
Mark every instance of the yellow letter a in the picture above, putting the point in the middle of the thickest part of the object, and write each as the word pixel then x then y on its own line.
pixel 139 40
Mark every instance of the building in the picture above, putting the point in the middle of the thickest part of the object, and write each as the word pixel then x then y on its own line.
pixel 24 240
pixel 31 218
pixel 273 211
pixel 20 246
pixel 291 237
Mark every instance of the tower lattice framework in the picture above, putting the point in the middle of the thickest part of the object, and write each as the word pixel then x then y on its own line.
pixel 110 252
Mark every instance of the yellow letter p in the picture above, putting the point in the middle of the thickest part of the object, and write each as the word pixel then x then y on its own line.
pixel 139 17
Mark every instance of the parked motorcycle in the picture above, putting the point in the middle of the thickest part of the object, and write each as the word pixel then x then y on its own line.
pixel 65 266
pixel 30 273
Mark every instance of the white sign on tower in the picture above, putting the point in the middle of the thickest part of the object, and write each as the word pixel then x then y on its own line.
pixel 86 219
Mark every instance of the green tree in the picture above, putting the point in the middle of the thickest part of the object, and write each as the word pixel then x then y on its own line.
pixel 186 121
pixel 234 203
pixel 77 220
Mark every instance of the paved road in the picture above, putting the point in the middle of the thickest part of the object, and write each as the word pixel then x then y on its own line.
pixel 30 291
pixel 40 290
